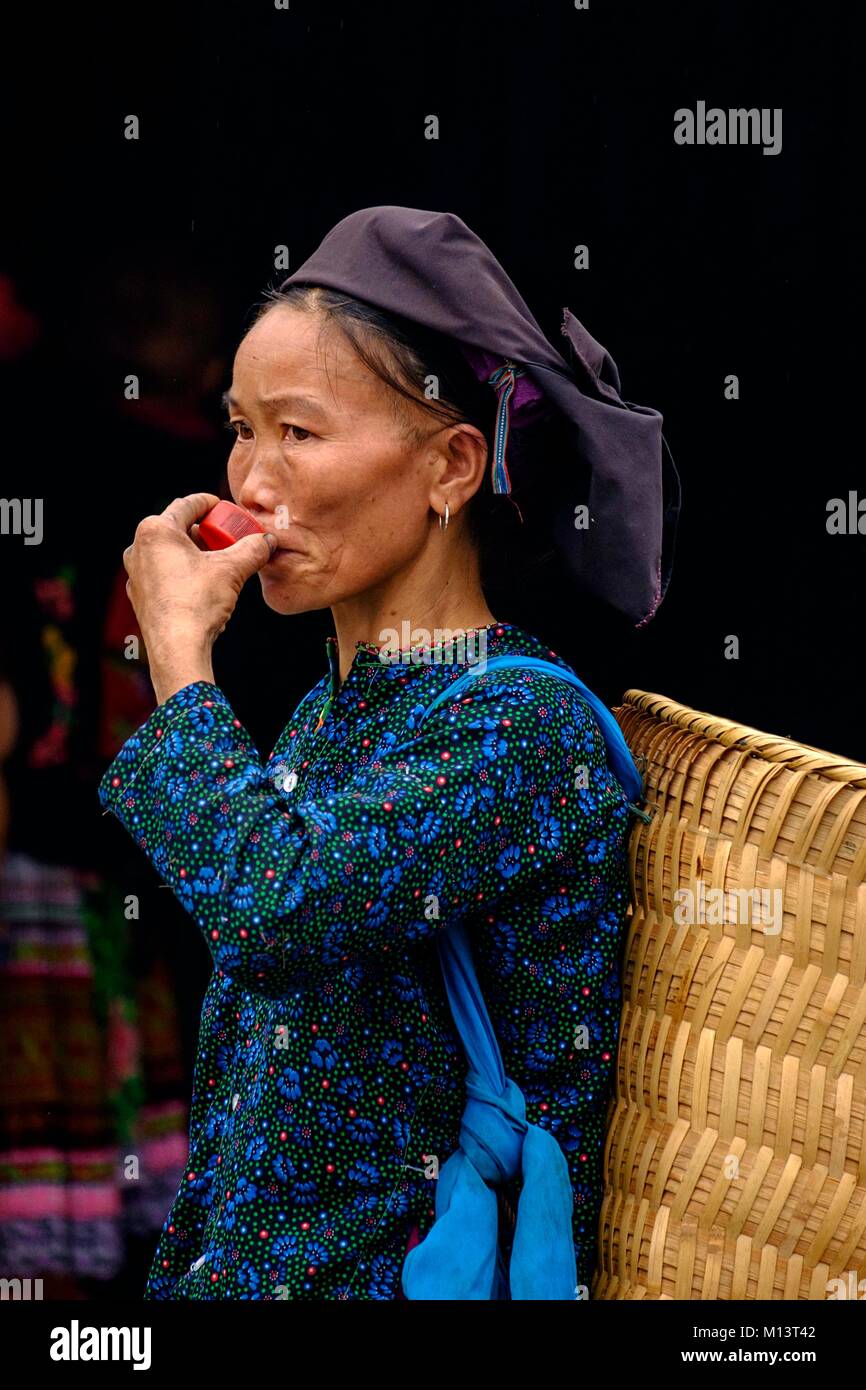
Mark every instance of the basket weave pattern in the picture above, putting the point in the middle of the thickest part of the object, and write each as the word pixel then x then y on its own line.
pixel 735 1155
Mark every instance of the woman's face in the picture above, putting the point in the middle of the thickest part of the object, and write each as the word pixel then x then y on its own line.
pixel 322 460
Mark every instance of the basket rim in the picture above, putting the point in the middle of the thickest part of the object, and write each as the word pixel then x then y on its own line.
pixel 772 747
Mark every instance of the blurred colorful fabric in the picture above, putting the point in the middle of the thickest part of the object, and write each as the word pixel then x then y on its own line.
pixel 84 1156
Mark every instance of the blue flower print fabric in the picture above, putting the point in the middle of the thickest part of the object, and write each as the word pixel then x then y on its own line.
pixel 329 1077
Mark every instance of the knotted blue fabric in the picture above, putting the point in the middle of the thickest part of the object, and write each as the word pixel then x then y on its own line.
pixel 460 1257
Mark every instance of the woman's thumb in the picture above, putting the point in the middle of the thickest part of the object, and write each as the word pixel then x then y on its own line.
pixel 250 553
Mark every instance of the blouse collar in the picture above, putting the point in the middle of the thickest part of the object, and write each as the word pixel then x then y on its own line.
pixel 468 650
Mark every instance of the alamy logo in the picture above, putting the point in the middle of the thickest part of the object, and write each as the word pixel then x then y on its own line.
pixel 444 646
pixel 20 1289
pixel 76 1343
pixel 738 126
pixel 716 907
pixel 22 516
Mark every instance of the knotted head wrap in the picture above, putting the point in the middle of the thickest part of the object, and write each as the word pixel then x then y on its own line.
pixel 432 269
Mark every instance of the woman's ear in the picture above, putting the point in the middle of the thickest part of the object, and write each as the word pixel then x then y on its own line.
pixel 467 461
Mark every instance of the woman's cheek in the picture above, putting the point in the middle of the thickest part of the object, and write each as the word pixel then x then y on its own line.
pixel 233 473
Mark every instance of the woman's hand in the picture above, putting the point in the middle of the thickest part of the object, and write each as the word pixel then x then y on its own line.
pixel 184 594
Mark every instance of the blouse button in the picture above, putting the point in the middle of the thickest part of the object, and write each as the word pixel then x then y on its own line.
pixel 284 780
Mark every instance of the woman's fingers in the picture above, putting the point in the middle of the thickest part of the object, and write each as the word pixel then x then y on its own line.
pixel 194 536
pixel 183 511
pixel 178 595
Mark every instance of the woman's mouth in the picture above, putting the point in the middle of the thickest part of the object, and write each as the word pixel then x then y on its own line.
pixel 283 552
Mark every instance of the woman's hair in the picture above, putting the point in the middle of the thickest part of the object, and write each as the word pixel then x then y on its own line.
pixel 406 355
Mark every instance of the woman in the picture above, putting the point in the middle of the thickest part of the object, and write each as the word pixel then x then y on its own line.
pixel 330 1082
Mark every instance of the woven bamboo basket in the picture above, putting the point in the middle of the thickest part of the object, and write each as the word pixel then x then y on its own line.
pixel 735 1152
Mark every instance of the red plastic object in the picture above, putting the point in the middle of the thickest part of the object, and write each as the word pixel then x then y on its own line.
pixel 225 523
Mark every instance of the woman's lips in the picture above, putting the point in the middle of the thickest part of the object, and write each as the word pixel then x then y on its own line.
pixel 284 548
pixel 283 552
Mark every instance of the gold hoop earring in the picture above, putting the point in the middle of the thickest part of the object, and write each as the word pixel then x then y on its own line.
pixel 445 527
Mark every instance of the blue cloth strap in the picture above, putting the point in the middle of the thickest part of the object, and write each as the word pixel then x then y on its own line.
pixel 460 1257
pixel 619 756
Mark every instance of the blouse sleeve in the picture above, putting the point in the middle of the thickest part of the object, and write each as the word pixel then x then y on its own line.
pixel 289 889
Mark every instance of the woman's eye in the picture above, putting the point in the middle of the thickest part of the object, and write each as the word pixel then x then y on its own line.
pixel 295 433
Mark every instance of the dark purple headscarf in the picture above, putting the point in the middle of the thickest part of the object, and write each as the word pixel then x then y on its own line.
pixel 431 268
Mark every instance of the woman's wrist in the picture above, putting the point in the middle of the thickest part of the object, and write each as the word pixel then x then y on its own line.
pixel 179 665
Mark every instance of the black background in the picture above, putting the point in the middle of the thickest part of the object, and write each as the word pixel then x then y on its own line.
pixel 261 127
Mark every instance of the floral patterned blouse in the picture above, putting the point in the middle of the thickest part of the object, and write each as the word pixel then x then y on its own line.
pixel 329 1075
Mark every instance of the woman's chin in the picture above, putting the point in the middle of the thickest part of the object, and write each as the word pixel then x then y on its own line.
pixel 285 597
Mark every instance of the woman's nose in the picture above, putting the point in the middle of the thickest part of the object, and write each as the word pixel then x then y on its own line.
pixel 259 490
